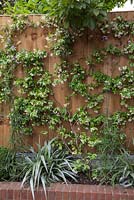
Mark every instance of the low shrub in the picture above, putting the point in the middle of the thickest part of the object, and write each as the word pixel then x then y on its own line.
pixel 111 163
pixel 118 169
pixel 3 157
pixel 10 168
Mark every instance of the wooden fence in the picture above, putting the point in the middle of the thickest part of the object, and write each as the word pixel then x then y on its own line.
pixel 35 39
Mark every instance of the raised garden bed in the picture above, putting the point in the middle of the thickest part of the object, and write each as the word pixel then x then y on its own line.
pixel 13 191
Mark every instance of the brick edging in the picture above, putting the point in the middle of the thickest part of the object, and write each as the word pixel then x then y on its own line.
pixel 12 191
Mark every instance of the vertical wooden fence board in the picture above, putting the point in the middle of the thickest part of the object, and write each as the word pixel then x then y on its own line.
pixel 130 135
pixel 6 135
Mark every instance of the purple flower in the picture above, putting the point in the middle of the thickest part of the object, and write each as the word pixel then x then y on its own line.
pixel 104 38
pixel 129 41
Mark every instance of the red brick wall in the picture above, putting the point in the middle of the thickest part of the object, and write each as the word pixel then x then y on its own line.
pixel 12 191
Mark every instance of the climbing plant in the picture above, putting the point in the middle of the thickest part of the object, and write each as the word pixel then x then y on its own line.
pixel 31 97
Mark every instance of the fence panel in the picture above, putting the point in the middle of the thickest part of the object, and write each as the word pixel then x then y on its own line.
pixel 34 38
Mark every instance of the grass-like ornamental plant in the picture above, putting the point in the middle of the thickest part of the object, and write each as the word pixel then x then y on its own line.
pixel 117 169
pixel 47 166
pixel 11 169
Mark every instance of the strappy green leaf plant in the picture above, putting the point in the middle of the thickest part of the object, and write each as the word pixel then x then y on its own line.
pixel 47 166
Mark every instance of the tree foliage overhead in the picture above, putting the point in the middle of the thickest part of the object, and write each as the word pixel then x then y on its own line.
pixel 112 3
pixel 40 6
pixel 70 13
